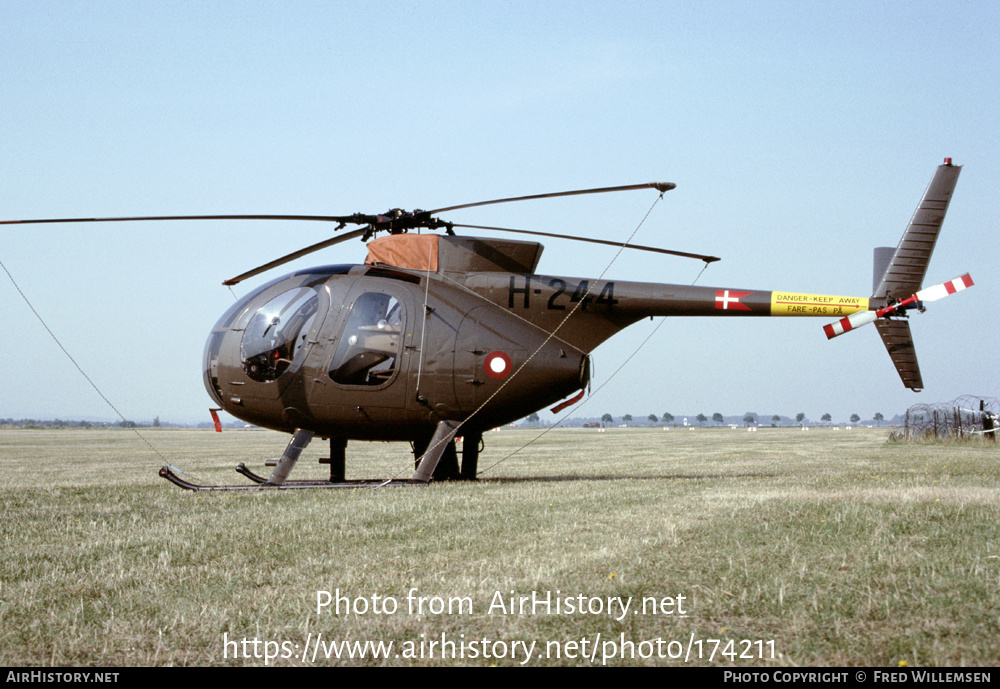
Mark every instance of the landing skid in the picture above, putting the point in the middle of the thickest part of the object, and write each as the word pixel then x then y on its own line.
pixel 243 469
pixel 429 454
pixel 260 483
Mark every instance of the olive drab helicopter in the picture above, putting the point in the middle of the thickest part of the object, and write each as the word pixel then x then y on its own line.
pixel 437 335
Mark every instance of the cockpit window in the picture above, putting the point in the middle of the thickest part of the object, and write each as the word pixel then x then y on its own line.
pixel 276 336
pixel 369 346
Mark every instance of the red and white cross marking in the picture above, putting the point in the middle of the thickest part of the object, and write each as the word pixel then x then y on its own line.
pixel 729 300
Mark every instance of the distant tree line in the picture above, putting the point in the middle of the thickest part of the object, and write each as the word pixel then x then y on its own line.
pixel 64 423
pixel 748 419
pixel 49 423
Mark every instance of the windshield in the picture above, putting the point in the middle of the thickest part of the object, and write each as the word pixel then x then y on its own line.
pixel 277 333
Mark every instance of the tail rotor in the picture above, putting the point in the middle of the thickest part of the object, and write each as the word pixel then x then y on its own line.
pixel 916 301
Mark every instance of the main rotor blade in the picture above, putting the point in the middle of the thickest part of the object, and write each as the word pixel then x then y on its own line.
pixel 659 186
pixel 322 218
pixel 640 247
pixel 297 254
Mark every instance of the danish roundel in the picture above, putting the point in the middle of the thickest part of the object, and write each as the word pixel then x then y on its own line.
pixel 497 365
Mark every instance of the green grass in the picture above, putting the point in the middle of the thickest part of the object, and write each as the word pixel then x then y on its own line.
pixel 841 548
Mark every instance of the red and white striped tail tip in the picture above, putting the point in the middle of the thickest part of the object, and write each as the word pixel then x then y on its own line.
pixel 944 289
pixel 855 320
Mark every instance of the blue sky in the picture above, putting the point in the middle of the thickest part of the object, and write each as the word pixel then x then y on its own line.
pixel 800 135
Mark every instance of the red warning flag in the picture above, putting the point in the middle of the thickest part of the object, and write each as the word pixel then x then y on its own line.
pixel 562 405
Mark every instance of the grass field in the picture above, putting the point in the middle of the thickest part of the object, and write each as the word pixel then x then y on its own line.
pixel 817 548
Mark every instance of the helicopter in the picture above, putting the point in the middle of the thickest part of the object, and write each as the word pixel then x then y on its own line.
pixel 438 335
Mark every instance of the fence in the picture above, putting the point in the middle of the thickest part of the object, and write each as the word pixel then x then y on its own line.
pixel 964 418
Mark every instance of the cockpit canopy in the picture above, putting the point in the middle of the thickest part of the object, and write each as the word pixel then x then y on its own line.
pixel 277 332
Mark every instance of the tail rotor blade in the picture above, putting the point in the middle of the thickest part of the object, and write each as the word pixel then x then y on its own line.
pixel 852 322
pixel 945 288
pixel 931 294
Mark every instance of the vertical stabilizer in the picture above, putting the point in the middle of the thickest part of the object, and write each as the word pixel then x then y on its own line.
pixel 899 342
pixel 883 257
pixel 903 271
